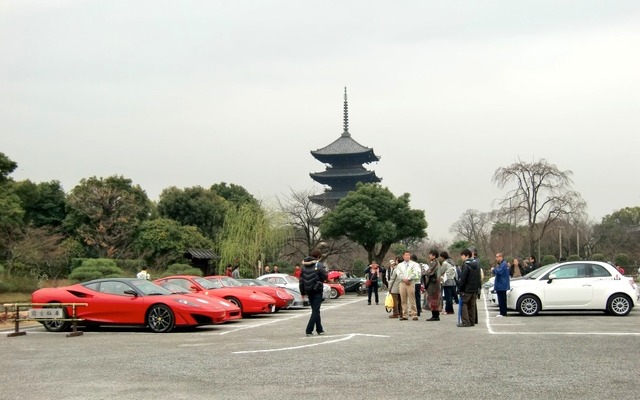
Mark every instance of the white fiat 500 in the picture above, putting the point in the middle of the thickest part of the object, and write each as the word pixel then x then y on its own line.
pixel 573 285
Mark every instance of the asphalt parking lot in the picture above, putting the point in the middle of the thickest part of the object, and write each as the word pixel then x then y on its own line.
pixel 364 354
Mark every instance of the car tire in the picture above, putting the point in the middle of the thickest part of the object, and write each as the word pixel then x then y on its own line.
pixel 57 326
pixel 619 305
pixel 334 293
pixel 528 305
pixel 236 302
pixel 160 318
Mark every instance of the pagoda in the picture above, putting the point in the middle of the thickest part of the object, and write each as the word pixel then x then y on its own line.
pixel 344 159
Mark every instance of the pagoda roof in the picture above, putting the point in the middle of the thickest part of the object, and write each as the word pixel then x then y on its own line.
pixel 360 174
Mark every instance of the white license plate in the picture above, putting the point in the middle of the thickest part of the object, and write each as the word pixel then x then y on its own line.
pixel 45 313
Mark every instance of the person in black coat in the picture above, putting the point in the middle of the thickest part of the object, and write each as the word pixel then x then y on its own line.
pixel 311 284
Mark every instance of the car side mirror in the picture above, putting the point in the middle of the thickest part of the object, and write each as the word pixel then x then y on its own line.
pixel 131 292
pixel 551 278
pixel 194 289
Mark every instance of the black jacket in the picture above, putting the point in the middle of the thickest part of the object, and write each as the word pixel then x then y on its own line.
pixel 470 277
pixel 312 277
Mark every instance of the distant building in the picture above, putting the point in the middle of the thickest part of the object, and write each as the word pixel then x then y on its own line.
pixel 344 159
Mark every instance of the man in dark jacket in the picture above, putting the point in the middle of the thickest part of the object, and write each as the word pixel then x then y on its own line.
pixel 468 287
pixel 311 284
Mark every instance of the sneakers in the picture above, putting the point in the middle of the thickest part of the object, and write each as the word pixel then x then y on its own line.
pixel 368 303
pixel 463 325
pixel 322 333
pixel 309 334
pixel 433 319
pixel 499 316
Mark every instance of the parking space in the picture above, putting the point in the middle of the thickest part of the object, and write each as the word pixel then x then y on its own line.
pixel 590 355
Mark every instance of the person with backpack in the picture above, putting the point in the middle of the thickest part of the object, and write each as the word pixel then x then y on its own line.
pixel 311 284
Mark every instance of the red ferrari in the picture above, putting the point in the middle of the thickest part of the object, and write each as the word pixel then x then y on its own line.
pixel 279 295
pixel 233 311
pixel 337 290
pixel 249 301
pixel 129 301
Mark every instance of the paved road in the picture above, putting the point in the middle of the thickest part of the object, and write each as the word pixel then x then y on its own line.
pixel 364 355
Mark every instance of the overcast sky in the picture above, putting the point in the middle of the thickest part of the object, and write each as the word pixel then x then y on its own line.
pixel 186 93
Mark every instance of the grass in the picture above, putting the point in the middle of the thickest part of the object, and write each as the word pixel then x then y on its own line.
pixel 15 298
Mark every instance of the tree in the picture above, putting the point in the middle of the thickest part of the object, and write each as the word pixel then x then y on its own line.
pixel 42 252
pixel 105 214
pixel 163 241
pixel 194 206
pixel 7 166
pixel 619 232
pixel 249 233
pixel 43 203
pixel 375 219
pixel 234 194
pixel 474 227
pixel 542 195
pixel 11 212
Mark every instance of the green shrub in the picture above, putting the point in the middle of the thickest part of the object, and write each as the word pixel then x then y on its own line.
pixel 18 283
pixel 548 259
pixel 574 257
pixel 598 257
pixel 94 269
pixel 130 267
pixel 182 269
pixel 75 263
pixel 622 260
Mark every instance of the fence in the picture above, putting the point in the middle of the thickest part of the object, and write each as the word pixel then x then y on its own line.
pixel 44 314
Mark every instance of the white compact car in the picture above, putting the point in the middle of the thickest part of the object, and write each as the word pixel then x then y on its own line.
pixel 573 285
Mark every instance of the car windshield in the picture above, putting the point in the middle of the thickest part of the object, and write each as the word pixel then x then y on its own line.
pixel 291 279
pixel 539 272
pixel 208 284
pixel 149 288
pixel 254 282
pixel 226 281
pixel 173 288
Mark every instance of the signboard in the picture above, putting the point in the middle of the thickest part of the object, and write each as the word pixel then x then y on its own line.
pixel 45 313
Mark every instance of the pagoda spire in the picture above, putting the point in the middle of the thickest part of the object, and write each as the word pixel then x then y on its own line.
pixel 345 132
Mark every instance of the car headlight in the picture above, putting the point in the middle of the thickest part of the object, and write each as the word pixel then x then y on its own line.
pixel 282 295
pixel 187 303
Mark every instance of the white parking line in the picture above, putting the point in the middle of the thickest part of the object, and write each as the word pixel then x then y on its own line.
pixel 340 339
pixel 491 331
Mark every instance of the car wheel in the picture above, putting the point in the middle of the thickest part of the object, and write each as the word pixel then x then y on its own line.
pixel 334 293
pixel 236 302
pixel 56 325
pixel 528 305
pixel 619 305
pixel 160 319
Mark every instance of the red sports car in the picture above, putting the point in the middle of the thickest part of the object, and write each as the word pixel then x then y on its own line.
pixel 337 290
pixel 279 295
pixel 129 301
pixel 233 311
pixel 249 301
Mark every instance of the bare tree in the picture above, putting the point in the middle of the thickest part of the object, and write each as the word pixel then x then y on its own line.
pixel 474 227
pixel 542 195
pixel 304 217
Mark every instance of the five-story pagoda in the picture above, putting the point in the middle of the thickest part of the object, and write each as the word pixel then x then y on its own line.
pixel 344 159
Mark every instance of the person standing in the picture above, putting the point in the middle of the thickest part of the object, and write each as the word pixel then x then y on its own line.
pixel 419 287
pixel 450 277
pixel 267 270
pixel 516 270
pixel 276 270
pixel 311 284
pixel 394 289
pixel 143 274
pixel 235 274
pixel 297 271
pixel 468 288
pixel 409 273
pixel 432 279
pixel 501 284
pixel 229 271
pixel 373 275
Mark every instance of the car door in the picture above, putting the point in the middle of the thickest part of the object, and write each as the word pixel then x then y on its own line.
pixel 602 283
pixel 112 305
pixel 570 289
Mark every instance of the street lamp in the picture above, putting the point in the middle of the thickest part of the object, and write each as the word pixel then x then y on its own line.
pixel 560 241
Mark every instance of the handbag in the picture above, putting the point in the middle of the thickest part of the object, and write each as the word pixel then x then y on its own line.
pixel 367 282
pixel 388 302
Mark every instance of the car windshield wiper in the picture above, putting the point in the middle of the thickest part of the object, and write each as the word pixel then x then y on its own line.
pixel 155 294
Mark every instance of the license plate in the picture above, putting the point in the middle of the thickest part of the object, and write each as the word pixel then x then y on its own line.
pixel 45 313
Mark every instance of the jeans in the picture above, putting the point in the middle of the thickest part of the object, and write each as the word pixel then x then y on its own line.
pixel 418 294
pixel 373 288
pixel 449 294
pixel 469 308
pixel 315 300
pixel 502 301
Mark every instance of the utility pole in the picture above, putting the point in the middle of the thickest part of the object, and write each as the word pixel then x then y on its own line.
pixel 560 241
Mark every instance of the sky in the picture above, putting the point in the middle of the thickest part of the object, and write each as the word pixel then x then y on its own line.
pixel 192 93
